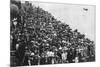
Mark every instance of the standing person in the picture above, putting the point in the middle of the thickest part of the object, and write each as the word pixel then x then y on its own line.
pixel 69 56
pixel 64 57
pixel 20 53
pixel 42 59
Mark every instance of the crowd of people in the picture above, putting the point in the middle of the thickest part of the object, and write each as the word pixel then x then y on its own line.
pixel 37 38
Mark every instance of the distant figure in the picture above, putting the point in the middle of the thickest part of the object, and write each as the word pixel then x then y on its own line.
pixel 85 9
